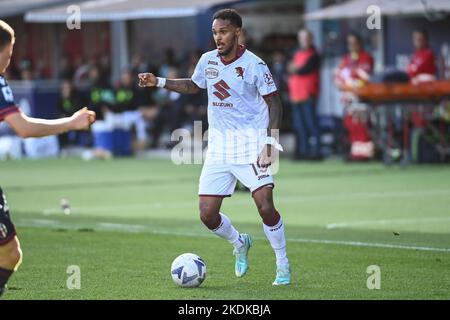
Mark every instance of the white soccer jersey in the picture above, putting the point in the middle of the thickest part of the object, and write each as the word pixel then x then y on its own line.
pixel 238 116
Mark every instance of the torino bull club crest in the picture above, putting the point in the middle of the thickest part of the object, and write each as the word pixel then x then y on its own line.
pixel 240 72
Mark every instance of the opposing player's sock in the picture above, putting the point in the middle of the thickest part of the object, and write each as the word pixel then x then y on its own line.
pixel 277 240
pixel 226 231
pixel 4 276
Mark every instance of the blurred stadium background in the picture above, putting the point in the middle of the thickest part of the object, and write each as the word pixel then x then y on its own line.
pixel 56 69
pixel 344 213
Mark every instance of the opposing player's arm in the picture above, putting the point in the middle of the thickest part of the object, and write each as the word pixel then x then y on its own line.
pixel 27 127
pixel 184 86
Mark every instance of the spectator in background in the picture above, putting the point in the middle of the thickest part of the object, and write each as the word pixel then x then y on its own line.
pixel 101 98
pixel 170 113
pixel 169 62
pixel 422 67
pixel 68 99
pixel 278 67
pixel 25 70
pixel 138 65
pixel 127 109
pixel 303 86
pixel 356 67
pixel 355 71
pixel 67 107
pixel 66 70
pixel 104 64
pixel 143 98
pixel 195 106
pixel 81 78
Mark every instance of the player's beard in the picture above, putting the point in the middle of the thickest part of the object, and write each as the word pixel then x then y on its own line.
pixel 228 51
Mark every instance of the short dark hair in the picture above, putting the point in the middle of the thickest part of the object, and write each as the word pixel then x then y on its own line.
pixel 231 15
pixel 357 36
pixel 423 32
pixel 6 34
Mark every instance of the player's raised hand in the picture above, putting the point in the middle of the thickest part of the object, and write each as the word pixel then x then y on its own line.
pixel 147 80
pixel 82 119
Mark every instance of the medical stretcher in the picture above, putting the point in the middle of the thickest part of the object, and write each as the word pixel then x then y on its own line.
pixel 390 106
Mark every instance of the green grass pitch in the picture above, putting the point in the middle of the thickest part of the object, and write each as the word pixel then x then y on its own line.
pixel 131 217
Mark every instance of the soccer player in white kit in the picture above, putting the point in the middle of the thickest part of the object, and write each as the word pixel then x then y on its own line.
pixel 244 109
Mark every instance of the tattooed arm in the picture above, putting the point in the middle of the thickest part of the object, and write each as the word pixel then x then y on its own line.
pixel 185 86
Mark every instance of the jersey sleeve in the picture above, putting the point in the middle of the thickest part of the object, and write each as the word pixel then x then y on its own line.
pixel 198 77
pixel 7 104
pixel 263 79
pixel 367 65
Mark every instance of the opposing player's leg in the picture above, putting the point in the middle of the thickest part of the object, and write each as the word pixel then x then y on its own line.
pixel 216 182
pixel 10 252
pixel 10 259
pixel 274 230
pixel 260 183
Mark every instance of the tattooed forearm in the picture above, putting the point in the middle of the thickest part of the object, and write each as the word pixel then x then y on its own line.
pixel 275 113
pixel 185 86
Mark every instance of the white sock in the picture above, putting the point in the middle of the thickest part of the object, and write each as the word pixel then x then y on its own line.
pixel 227 231
pixel 277 240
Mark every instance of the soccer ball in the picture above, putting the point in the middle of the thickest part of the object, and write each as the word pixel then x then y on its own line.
pixel 188 270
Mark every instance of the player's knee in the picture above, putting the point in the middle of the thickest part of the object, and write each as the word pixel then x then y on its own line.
pixel 266 209
pixel 205 210
pixel 16 258
pixel 208 216
pixel 11 256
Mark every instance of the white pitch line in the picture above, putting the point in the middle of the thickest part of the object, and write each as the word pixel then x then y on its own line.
pixel 371 244
pixel 121 227
pixel 43 222
pixel 281 198
pixel 90 209
pixel 377 194
pixel 337 225
pixel 141 228
pixel 317 241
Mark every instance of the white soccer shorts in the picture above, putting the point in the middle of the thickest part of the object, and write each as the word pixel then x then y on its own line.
pixel 220 179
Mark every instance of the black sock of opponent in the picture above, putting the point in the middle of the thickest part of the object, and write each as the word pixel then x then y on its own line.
pixel 4 276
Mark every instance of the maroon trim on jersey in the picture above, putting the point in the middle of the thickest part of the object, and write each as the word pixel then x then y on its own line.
pixel 7 111
pixel 275 93
pixel 215 195
pixel 8 238
pixel 240 52
pixel 263 186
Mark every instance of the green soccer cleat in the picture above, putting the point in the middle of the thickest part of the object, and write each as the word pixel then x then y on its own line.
pixel 283 276
pixel 241 265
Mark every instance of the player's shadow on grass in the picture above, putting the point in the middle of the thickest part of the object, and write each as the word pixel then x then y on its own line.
pixel 14 288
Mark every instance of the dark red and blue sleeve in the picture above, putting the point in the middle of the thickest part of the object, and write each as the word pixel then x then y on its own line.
pixel 7 104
